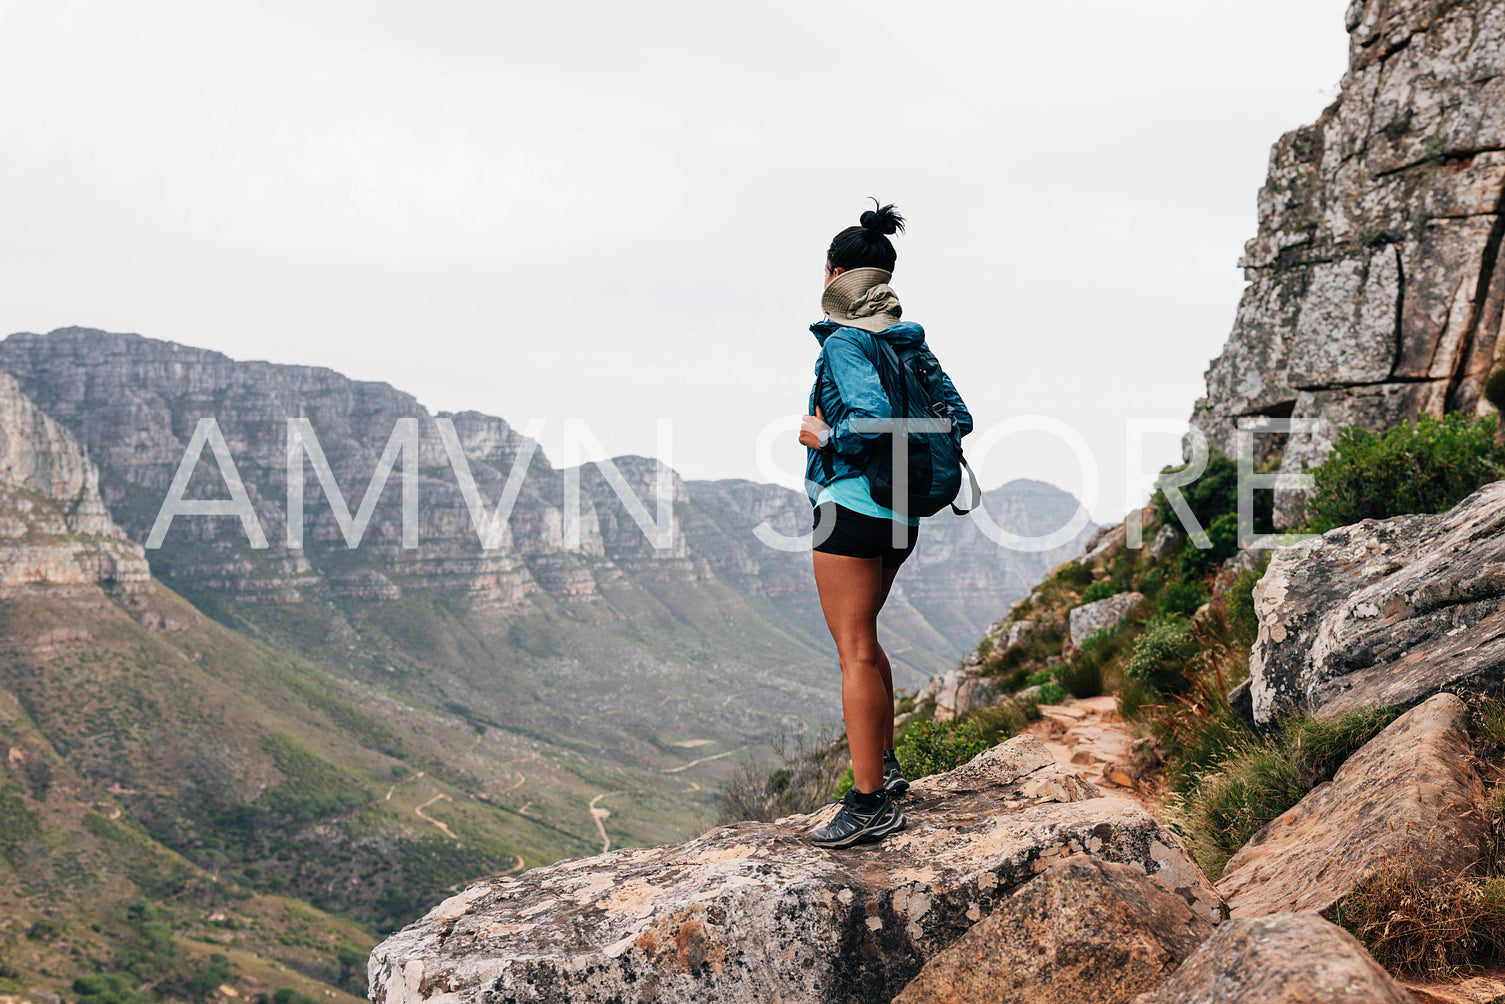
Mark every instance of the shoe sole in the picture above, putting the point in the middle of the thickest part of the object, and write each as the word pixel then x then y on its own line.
pixel 896 788
pixel 866 836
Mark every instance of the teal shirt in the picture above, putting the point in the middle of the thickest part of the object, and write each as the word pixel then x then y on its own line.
pixel 856 494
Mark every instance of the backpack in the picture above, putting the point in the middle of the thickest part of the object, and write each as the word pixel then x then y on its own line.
pixel 912 379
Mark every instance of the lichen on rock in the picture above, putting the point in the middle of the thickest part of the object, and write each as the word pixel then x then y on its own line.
pixel 754 912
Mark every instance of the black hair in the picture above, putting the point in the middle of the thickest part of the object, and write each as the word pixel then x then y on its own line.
pixel 867 245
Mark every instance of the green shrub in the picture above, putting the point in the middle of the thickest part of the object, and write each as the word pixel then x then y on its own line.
pixel 1003 720
pixel 1051 693
pixel 1134 698
pixel 206 978
pixel 1494 389
pixel 846 783
pixel 312 788
pixel 1241 615
pixel 1041 677
pixel 1196 562
pixel 1213 494
pixel 287 995
pixel 1489 722
pixel 110 988
pixel 1074 574
pixel 1426 468
pixel 1102 590
pixel 350 964
pixel 1201 742
pixel 1161 658
pixel 904 701
pixel 1182 597
pixel 1037 648
pixel 1082 677
pixel 928 748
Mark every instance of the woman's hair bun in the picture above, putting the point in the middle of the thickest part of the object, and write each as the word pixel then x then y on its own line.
pixel 885 220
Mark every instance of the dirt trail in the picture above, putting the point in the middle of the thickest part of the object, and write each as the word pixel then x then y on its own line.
pixel 1089 737
pixel 599 817
pixel 442 827
pixel 704 759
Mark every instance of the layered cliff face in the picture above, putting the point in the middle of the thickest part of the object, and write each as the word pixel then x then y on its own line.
pixel 54 528
pixel 1375 294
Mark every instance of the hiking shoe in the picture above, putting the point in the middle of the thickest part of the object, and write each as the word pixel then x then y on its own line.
pixel 894 781
pixel 859 824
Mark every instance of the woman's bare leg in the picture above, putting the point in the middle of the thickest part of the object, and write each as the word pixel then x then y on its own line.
pixel 884 669
pixel 852 591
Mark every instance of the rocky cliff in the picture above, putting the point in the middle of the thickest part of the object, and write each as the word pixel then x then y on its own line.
pixel 1374 289
pixel 54 528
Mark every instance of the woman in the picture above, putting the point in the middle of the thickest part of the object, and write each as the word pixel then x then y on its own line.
pixel 858 546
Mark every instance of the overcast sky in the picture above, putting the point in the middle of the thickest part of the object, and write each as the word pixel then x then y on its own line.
pixel 620 211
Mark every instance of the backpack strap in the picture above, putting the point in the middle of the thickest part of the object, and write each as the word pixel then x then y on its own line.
pixel 825 455
pixel 975 493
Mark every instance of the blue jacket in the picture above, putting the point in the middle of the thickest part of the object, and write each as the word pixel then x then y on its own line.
pixel 849 388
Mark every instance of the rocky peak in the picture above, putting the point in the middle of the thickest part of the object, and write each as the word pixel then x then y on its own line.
pixel 54 528
pixel 1374 293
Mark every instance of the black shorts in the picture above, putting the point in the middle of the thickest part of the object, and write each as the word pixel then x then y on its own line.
pixel 858 535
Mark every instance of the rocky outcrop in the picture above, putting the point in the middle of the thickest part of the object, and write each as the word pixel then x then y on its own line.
pixel 1022 632
pixel 1375 288
pixel 963 690
pixel 1408 799
pixel 1090 618
pixel 753 912
pixel 1287 958
pixel 1383 612
pixel 54 528
pixel 1087 930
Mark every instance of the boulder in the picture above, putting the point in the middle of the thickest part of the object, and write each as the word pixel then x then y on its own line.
pixel 1089 618
pixel 1024 631
pixel 1165 542
pixel 1086 930
pixel 754 912
pixel 947 686
pixel 1287 958
pixel 1104 544
pixel 977 692
pixel 1383 612
pixel 962 690
pixel 1408 798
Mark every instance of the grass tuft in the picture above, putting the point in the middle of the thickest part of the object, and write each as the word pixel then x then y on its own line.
pixel 1419 927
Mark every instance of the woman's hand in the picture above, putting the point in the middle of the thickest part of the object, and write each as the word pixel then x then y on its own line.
pixel 811 428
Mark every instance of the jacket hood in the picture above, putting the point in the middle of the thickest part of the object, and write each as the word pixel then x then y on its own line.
pixel 903 335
